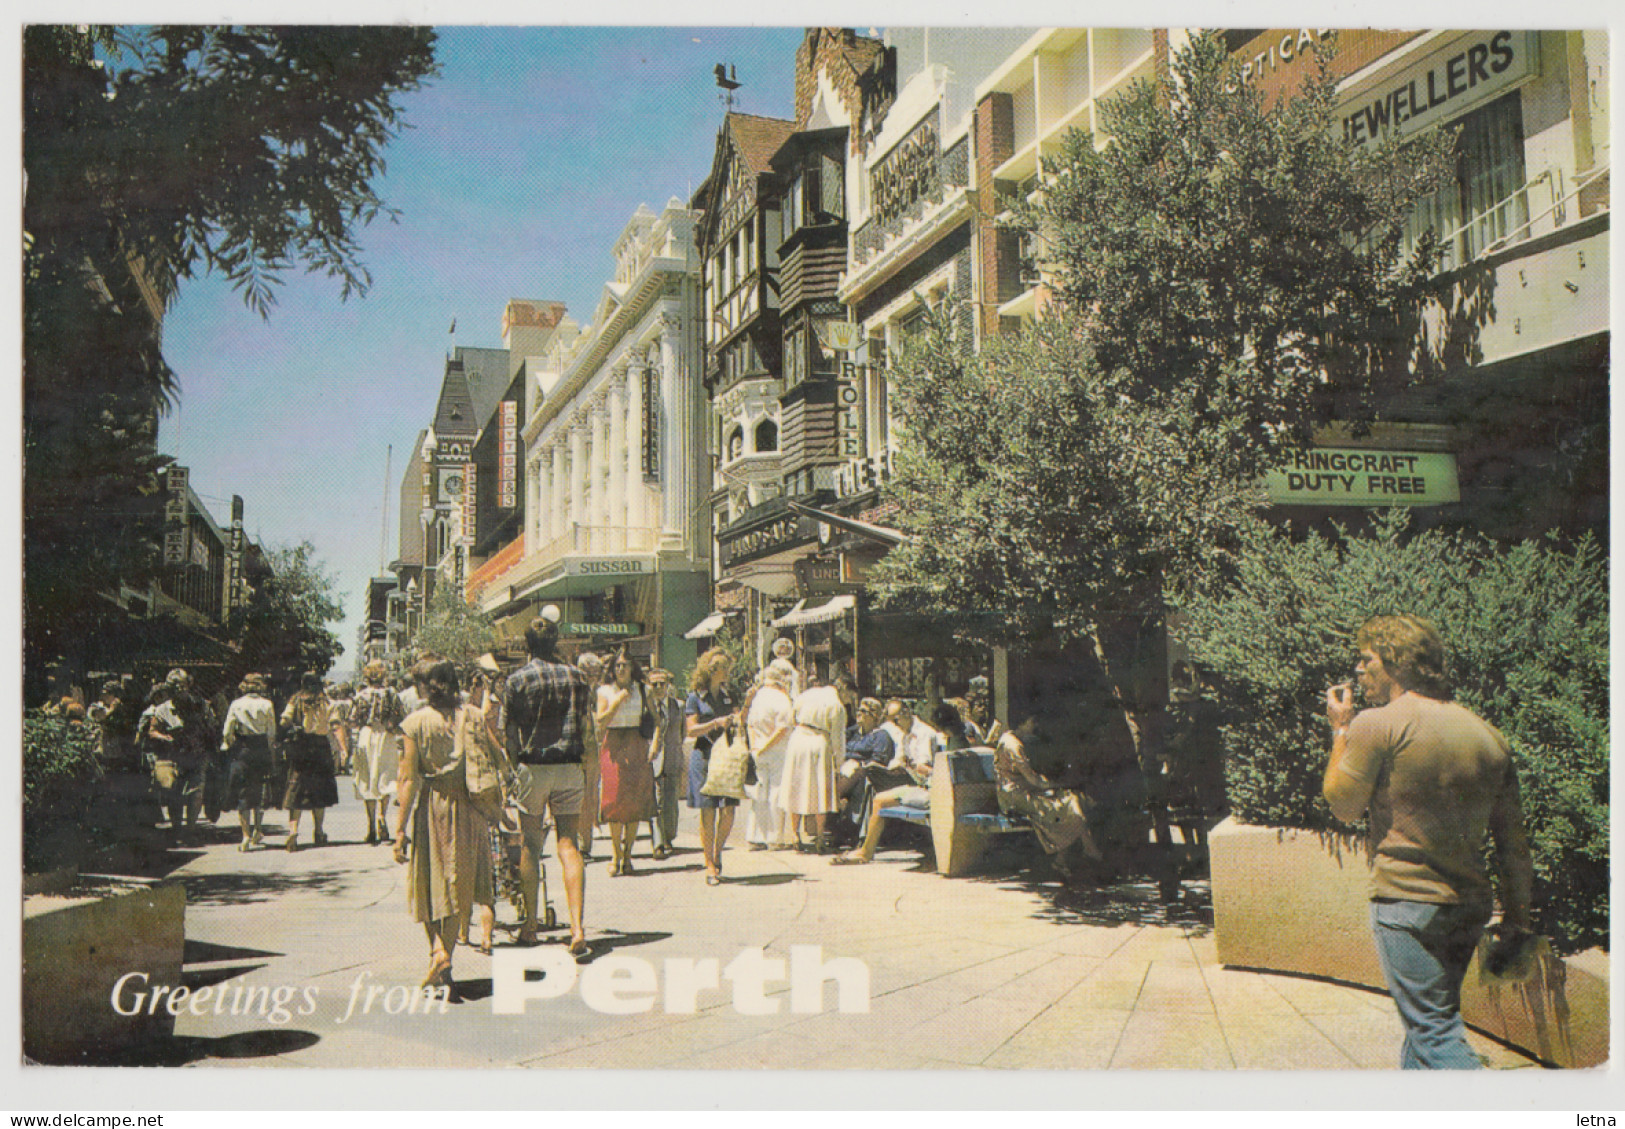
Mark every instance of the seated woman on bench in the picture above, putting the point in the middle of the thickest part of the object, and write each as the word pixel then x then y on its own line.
pixel 1056 814
pixel 914 794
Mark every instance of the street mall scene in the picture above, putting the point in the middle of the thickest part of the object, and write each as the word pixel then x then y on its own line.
pixel 729 452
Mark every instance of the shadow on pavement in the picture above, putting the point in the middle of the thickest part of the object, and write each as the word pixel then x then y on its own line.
pixel 602 944
pixel 204 977
pixel 207 952
pixel 761 880
pixel 241 888
pixel 182 1050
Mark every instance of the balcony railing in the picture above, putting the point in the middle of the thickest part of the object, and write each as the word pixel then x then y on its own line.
pixel 598 540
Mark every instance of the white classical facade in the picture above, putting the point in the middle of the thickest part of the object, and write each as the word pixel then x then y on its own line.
pixel 614 443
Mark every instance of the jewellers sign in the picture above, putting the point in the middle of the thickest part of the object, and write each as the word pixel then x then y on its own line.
pixel 1344 476
pixel 1471 71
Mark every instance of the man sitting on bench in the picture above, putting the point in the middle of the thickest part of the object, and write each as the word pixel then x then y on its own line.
pixel 916 762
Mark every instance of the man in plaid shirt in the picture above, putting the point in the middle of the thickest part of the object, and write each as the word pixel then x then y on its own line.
pixel 547 704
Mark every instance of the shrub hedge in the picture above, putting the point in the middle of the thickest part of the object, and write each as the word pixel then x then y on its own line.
pixel 61 774
pixel 1526 628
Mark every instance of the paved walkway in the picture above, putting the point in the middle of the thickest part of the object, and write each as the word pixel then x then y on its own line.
pixel 1005 971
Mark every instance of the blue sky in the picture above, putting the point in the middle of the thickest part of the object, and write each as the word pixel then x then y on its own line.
pixel 524 161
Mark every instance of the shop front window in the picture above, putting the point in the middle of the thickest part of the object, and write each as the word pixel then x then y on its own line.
pixel 1487 200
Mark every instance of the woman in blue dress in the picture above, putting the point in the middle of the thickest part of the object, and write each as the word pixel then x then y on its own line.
pixel 709 711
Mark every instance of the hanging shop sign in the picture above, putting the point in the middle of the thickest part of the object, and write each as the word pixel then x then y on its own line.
pixel 470 504
pixel 849 410
pixel 176 511
pixel 1347 476
pixel 1446 84
pixel 507 454
pixel 784 533
pixel 609 566
pixel 236 584
pixel 600 629
pixel 651 425
pixel 821 578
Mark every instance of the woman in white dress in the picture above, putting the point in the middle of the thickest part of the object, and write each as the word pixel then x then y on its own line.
pixel 807 794
pixel 378 713
pixel 769 721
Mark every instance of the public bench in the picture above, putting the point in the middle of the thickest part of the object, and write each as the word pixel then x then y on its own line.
pixel 964 813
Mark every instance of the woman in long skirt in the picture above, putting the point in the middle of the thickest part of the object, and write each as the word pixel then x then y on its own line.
pixel 807 795
pixel 307 723
pixel 249 738
pixel 626 779
pixel 592 669
pixel 770 718
pixel 378 714
pixel 449 856
pixel 1058 816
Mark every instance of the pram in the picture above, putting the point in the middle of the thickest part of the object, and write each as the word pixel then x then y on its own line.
pixel 507 847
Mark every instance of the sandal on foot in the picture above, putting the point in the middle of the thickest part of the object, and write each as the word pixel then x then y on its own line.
pixel 713 879
pixel 245 846
pixel 850 860
pixel 292 844
pixel 578 947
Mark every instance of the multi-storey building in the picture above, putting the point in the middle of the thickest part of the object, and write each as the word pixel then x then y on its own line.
pixel 911 216
pixel 779 195
pixel 614 506
pixel 1513 437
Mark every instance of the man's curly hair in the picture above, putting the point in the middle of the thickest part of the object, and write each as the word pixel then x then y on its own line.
pixel 1411 650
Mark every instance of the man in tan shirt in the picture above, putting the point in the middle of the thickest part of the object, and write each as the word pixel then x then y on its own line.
pixel 1435 779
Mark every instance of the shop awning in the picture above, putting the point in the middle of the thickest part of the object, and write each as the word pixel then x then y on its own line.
pixel 884 534
pixel 801 615
pixel 707 627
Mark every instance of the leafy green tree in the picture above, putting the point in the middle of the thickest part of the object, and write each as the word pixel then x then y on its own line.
pixel 284 630
pixel 151 155
pixel 1220 269
pixel 454 627
pixel 1526 632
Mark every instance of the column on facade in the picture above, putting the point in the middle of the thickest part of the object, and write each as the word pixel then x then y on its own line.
pixel 535 525
pixel 541 493
pixel 616 457
pixel 558 521
pixel 596 466
pixel 677 451
pixel 578 480
pixel 636 492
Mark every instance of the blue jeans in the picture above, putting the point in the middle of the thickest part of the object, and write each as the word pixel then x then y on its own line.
pixel 1425 949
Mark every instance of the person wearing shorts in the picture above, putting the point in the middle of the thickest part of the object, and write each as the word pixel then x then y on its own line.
pixel 547 708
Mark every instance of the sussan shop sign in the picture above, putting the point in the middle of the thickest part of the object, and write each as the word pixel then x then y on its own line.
pixel 1347 476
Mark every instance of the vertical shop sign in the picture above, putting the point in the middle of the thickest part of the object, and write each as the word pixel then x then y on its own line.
pixel 236 583
pixel 507 454
pixel 651 425
pixel 470 506
pixel 176 512
pixel 848 410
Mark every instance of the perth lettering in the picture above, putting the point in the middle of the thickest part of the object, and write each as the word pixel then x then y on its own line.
pixel 628 985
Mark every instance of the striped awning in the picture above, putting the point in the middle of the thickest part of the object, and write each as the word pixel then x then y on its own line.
pixel 801 615
pixel 707 627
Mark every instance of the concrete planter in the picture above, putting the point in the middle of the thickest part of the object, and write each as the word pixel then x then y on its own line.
pixel 1297 901
pixel 76 945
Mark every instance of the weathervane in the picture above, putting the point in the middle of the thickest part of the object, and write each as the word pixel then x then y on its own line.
pixel 728 79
